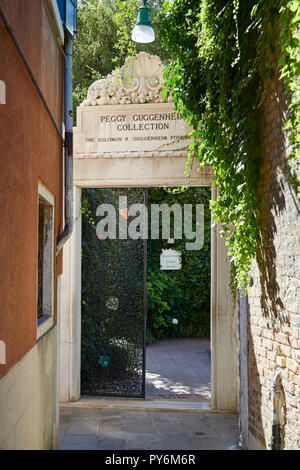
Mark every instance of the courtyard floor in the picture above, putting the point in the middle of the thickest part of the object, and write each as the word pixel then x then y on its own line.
pixel 179 369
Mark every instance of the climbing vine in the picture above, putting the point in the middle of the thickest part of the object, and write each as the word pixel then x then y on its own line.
pixel 218 77
pixel 290 72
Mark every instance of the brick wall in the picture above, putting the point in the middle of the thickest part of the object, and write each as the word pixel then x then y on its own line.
pixel 274 296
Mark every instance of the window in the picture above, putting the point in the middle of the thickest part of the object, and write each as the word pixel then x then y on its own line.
pixel 45 260
pixel 68 13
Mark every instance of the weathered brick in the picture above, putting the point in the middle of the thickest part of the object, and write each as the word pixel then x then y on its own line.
pixel 293 366
pixel 281 361
pixel 282 338
pixel 267 343
pixel 269 334
pixel 274 299
pixel 257 341
pixel 271 356
pixel 285 350
pixel 260 351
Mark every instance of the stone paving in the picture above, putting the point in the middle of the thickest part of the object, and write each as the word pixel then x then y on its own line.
pixel 179 369
pixel 112 429
pixel 178 377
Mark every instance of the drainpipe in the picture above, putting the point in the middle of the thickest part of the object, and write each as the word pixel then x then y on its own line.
pixel 276 399
pixel 68 108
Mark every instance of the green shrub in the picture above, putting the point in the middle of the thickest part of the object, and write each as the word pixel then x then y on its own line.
pixel 183 295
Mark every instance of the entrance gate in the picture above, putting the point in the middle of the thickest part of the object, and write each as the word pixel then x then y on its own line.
pixel 114 302
pixel 127 136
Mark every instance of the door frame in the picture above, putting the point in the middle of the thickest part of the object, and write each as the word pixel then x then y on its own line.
pixel 224 317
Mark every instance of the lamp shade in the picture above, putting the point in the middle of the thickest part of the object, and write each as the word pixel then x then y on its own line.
pixel 143 31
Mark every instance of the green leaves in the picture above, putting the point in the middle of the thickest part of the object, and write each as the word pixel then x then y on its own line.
pixel 182 294
pixel 219 72
pixel 293 6
pixel 290 73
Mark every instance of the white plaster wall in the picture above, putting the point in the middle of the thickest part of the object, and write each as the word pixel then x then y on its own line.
pixel 70 321
pixel 224 328
pixel 228 344
pixel 29 399
pixel 224 334
pixel 147 171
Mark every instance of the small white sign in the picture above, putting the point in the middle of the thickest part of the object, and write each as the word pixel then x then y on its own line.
pixel 170 260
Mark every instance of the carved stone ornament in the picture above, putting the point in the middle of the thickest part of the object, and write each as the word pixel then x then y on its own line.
pixel 139 81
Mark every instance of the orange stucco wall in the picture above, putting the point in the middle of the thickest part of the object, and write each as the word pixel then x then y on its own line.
pixel 30 149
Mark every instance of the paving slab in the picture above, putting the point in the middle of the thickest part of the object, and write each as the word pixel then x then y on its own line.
pixel 111 424
pixel 82 426
pixel 173 441
pixel 139 426
pixel 72 442
pixel 208 443
pixel 111 443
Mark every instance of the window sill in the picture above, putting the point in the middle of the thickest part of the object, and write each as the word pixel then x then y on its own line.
pixel 44 324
